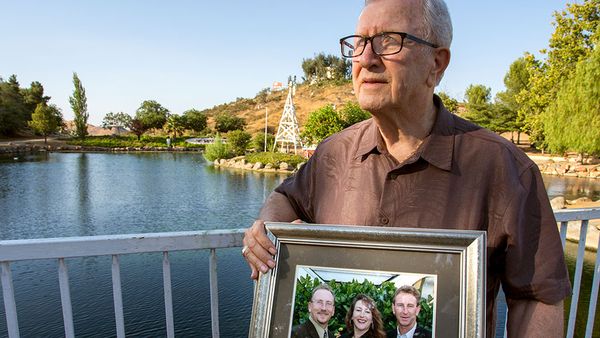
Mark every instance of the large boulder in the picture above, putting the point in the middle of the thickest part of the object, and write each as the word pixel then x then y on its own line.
pixel 257 166
pixel 284 166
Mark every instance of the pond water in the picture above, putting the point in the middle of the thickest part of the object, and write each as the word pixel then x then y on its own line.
pixel 84 194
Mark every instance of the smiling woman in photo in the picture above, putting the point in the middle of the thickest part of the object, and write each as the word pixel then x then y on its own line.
pixel 363 319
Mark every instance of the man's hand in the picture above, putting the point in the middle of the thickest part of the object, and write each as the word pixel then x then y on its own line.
pixel 258 249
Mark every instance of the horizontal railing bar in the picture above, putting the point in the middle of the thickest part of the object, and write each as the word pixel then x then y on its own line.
pixel 66 247
pixel 577 214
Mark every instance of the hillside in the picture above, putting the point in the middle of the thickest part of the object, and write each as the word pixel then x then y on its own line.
pixel 307 99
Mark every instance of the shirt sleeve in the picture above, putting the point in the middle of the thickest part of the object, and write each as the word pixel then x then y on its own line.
pixel 299 190
pixel 534 265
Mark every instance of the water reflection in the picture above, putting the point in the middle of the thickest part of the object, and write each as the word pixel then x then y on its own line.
pixel 83 197
pixel 572 187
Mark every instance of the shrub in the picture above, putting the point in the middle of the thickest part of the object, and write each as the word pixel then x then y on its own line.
pixel 258 142
pixel 238 141
pixel 217 150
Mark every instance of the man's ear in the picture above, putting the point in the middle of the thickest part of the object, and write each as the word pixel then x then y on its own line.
pixel 441 59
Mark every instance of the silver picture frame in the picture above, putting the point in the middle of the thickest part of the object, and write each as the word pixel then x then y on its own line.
pixel 456 257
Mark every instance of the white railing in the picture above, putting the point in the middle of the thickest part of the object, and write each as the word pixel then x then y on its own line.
pixel 115 245
pixel 582 215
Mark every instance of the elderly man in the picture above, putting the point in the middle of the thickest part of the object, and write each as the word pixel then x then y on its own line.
pixel 414 164
pixel 406 308
pixel 320 309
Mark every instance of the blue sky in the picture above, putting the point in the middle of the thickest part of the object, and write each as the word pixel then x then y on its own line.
pixel 196 54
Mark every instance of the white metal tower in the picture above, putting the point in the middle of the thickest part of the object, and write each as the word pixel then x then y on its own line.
pixel 288 132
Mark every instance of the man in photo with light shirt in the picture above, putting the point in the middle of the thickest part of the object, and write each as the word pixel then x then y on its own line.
pixel 320 310
pixel 406 308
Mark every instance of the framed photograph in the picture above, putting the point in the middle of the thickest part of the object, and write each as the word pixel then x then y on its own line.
pixel 447 266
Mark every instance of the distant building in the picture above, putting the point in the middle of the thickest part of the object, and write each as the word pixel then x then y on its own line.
pixel 277 86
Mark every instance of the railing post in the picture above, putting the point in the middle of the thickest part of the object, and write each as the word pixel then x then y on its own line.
pixel 577 279
pixel 65 298
pixel 168 295
pixel 593 295
pixel 118 297
pixel 214 294
pixel 10 307
pixel 563 233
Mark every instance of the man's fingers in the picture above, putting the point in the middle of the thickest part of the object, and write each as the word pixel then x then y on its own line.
pixel 258 249
pixel 259 235
pixel 254 272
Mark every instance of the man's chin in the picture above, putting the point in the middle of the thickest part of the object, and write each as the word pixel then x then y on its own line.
pixel 370 104
pixel 323 320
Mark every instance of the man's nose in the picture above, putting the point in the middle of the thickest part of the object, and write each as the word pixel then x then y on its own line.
pixel 368 58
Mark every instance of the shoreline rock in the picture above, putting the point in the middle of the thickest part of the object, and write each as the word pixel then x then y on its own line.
pixel 240 163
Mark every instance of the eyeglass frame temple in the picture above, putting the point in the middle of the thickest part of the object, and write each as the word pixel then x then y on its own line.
pixel 370 39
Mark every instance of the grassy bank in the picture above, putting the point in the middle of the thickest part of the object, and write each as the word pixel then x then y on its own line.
pixel 131 141
pixel 275 158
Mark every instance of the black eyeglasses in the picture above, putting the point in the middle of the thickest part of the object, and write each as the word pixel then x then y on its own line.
pixel 385 43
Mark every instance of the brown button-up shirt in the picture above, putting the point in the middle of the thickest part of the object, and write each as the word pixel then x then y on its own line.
pixel 461 177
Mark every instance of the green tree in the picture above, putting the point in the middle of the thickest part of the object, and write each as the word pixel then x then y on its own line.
pixel 321 124
pixel 326 121
pixel 137 127
pixel 195 120
pixel 14 112
pixel 323 68
pixel 572 121
pixel 175 124
pixel 34 95
pixel 227 122
pixel 238 141
pixel 258 142
pixel 516 81
pixel 479 108
pixel 118 120
pixel 152 114
pixel 576 34
pixel 79 106
pixel 351 113
pixel 46 120
pixel 450 103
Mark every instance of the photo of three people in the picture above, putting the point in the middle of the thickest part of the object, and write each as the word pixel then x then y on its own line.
pixel 355 303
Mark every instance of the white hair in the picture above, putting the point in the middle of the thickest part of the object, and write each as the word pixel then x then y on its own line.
pixel 437 23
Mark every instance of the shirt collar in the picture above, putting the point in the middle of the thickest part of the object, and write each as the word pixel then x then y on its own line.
pixel 410 332
pixel 436 149
pixel 320 329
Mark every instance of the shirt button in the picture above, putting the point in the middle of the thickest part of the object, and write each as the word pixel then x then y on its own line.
pixel 385 220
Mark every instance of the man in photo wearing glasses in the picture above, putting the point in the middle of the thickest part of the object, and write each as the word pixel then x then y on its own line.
pixel 414 164
pixel 320 310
